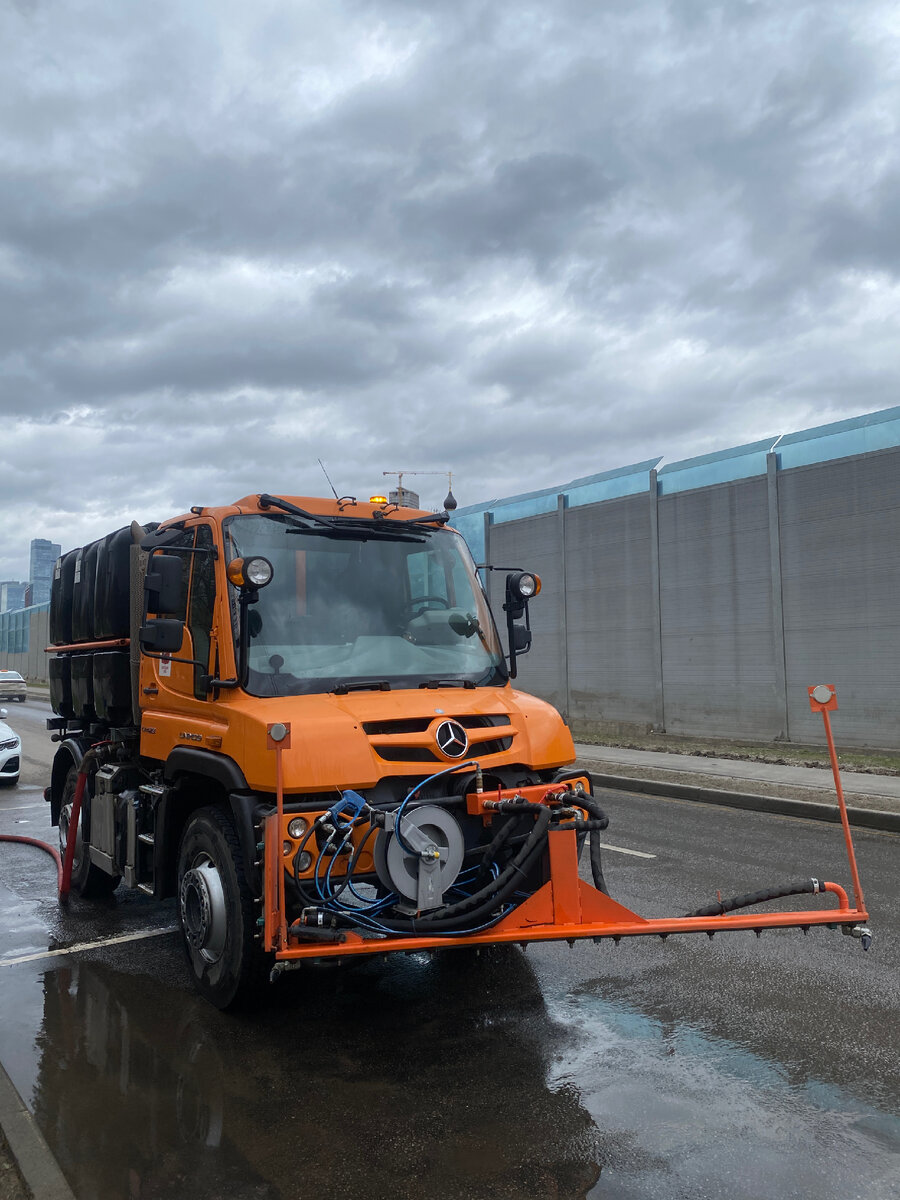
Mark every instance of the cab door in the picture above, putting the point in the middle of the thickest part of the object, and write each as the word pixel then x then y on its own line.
pixel 175 686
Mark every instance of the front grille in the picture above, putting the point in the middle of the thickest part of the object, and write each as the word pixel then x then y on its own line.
pixel 495 746
pixel 11 767
pixel 479 721
pixel 385 728
pixel 406 754
pixel 419 749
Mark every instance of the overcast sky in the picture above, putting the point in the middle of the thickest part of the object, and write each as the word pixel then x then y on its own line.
pixel 521 241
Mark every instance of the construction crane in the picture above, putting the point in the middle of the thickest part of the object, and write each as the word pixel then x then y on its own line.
pixel 449 503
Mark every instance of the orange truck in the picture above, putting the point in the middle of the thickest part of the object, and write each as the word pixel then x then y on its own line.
pixel 296 716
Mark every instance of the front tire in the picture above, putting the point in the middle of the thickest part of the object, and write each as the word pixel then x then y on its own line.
pixel 88 880
pixel 217 913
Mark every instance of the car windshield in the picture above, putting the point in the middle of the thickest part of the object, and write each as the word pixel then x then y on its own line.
pixel 362 605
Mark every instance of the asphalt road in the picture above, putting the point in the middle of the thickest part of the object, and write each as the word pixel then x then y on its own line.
pixel 740 1067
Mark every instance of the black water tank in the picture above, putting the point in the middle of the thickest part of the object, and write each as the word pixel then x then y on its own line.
pixel 61 686
pixel 84 589
pixel 112 687
pixel 83 687
pixel 61 591
pixel 112 613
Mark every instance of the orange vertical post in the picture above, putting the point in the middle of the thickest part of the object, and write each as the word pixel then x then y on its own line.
pixel 823 699
pixel 278 738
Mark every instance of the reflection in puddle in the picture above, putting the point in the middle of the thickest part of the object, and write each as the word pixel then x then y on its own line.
pixel 411 1078
pixel 687 1114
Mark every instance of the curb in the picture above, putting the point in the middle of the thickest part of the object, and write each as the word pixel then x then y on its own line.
pixel 37 1166
pixel 867 818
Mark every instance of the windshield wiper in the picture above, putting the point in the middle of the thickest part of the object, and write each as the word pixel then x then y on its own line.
pixel 267 501
pixel 361 685
pixel 361 532
pixel 440 683
pixel 378 518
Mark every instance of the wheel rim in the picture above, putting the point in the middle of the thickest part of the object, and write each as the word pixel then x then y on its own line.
pixel 65 819
pixel 203 911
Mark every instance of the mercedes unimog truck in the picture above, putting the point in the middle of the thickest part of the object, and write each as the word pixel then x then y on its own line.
pixel 296 717
pixel 359 633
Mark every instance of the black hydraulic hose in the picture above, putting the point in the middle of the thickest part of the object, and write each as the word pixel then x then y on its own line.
pixel 501 838
pixel 599 821
pixel 721 907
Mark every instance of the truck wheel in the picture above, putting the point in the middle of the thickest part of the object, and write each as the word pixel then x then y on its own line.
pixel 217 912
pixel 88 880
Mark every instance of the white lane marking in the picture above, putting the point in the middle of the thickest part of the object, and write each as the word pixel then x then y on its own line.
pixel 622 850
pixel 80 947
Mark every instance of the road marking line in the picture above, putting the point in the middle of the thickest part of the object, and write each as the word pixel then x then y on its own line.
pixel 622 850
pixel 80 947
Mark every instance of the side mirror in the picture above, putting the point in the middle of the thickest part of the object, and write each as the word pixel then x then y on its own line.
pixel 3 714
pixel 162 584
pixel 162 634
pixel 521 639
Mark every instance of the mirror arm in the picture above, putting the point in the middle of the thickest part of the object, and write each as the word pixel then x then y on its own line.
pixel 192 662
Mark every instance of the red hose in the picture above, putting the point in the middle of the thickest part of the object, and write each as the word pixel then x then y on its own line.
pixel 71 838
pixel 27 841
pixel 64 868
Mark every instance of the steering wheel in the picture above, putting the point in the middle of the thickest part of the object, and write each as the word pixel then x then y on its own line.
pixel 442 600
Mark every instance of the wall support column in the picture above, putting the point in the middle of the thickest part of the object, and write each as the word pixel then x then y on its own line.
pixel 781 704
pixel 656 606
pixel 561 503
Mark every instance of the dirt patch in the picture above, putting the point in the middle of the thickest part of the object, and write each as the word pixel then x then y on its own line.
pixel 781 754
pixel 11 1185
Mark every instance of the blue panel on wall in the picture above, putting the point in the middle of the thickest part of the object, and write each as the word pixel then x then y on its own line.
pixel 841 439
pixel 724 466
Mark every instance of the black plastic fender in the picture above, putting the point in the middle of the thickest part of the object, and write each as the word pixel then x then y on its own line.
pixel 242 802
pixel 70 753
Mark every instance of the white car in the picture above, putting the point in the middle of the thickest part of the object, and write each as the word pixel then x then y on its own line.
pixel 10 747
pixel 12 686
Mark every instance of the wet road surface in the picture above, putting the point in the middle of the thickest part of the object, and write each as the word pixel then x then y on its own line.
pixel 736 1068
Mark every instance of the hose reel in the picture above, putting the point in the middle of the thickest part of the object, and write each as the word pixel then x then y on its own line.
pixel 422 863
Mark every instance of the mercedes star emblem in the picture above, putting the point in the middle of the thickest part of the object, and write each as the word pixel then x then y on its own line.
pixel 452 740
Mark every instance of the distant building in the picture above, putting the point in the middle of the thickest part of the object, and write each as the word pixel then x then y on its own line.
pixel 12 595
pixel 404 497
pixel 43 558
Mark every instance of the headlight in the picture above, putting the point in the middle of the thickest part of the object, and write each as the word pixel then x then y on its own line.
pixel 525 585
pixel 297 827
pixel 249 572
pixel 258 571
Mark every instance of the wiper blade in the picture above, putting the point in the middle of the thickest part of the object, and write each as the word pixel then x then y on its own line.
pixel 361 685
pixel 441 683
pixel 378 518
pixel 359 533
pixel 267 501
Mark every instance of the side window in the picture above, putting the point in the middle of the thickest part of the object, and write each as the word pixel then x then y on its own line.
pixel 203 598
pixel 177 549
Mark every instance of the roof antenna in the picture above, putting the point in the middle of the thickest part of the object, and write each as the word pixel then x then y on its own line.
pixel 328 477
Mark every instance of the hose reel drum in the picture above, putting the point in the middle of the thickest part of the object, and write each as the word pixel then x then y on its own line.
pixel 424 861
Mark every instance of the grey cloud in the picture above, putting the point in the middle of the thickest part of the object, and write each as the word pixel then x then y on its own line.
pixel 494 236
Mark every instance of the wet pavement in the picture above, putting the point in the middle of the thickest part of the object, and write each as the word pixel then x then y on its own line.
pixel 736 1068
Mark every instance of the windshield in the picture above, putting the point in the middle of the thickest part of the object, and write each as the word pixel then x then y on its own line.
pixel 398 608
